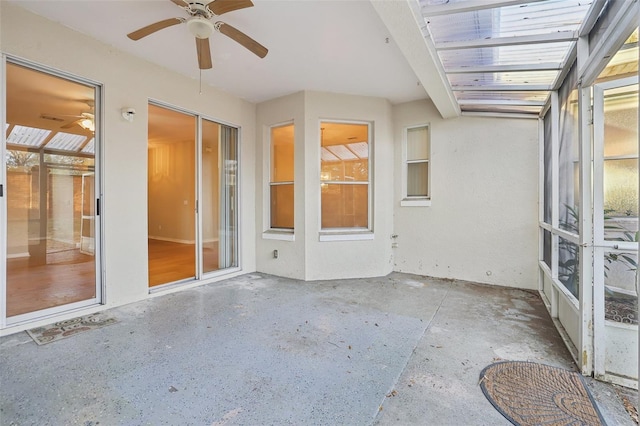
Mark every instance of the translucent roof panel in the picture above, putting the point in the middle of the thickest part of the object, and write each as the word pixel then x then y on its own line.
pixel 497 52
pixel 547 53
pixel 503 78
pixel 512 109
pixel 361 149
pixel 89 148
pixel 326 155
pixel 530 19
pixel 27 136
pixel 66 142
pixel 342 152
pixel 532 96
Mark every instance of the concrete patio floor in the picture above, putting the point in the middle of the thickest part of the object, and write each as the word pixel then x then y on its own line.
pixel 263 350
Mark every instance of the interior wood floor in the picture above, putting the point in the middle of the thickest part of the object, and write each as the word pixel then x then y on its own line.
pixel 170 262
pixel 69 276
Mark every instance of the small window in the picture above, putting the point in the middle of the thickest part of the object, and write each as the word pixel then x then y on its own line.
pixel 344 176
pixel 417 169
pixel 281 179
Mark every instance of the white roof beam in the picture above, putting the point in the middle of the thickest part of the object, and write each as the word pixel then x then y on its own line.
pixel 403 23
pixel 591 17
pixel 509 41
pixel 470 6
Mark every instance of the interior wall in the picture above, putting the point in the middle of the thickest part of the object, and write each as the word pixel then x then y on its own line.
pixel 131 82
pixel 171 192
pixel 482 224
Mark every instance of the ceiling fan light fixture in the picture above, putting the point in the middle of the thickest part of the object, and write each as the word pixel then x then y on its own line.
pixel 200 27
pixel 87 124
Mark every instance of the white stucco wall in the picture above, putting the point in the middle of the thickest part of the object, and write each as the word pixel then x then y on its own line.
pixel 291 254
pixel 307 257
pixel 131 82
pixel 482 224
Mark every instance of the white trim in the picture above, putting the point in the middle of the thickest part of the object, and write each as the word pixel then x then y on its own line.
pixel 585 227
pixel 267 152
pixel 283 235
pixel 418 202
pixel 3 199
pixel 355 236
pixel 17 255
pixel 171 240
pixel 370 175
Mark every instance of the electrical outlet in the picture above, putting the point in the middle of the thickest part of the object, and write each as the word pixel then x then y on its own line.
pixel 275 254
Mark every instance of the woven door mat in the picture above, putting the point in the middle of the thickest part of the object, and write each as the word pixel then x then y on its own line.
pixel 63 329
pixel 528 393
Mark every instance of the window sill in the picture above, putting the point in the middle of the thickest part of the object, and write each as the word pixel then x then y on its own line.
pixel 421 202
pixel 354 236
pixel 279 235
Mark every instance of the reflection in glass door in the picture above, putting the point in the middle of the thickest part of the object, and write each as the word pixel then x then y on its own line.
pixel 51 217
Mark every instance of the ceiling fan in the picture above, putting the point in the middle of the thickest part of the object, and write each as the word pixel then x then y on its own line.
pixel 86 120
pixel 201 26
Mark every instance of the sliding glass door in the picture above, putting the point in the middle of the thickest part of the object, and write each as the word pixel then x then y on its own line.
pixel 192 202
pixel 50 193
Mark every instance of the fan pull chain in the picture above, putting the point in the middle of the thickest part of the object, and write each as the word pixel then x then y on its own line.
pixel 201 81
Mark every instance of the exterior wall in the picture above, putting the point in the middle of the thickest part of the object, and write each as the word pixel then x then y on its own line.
pixel 291 254
pixel 307 257
pixel 131 82
pixel 482 222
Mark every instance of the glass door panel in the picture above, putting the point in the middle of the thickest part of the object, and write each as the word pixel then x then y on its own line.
pixel 210 201
pixel 616 230
pixel 171 196
pixel 50 192
pixel 218 201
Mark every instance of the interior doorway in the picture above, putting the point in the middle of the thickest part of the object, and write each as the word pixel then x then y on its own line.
pixel 51 193
pixel 192 199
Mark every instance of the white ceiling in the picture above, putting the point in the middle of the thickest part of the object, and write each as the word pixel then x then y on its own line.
pixel 334 46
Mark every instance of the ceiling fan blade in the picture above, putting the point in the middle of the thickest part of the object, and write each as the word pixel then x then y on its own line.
pixel 181 3
pixel 219 7
pixel 243 39
pixel 204 53
pixel 69 125
pixel 150 29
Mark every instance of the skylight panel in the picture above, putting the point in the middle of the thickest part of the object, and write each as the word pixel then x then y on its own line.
pixel 503 78
pixel 533 96
pixel 361 149
pixel 531 19
pixel 326 155
pixel 66 142
pixel 342 152
pixel 89 148
pixel 547 53
pixel 27 136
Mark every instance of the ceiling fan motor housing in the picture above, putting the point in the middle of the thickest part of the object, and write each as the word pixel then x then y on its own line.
pixel 200 27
